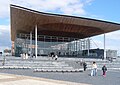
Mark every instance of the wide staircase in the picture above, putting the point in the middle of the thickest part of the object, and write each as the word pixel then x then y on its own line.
pixel 41 64
pixel 47 64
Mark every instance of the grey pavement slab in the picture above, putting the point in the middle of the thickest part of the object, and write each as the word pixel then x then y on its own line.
pixel 9 79
pixel 112 78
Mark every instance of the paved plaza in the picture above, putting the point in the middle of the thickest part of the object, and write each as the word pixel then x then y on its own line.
pixel 9 79
pixel 28 77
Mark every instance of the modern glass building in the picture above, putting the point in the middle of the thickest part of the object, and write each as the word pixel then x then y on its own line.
pixel 62 46
pixel 40 34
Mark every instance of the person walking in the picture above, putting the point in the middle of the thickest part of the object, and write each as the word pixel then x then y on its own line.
pixel 94 69
pixel 104 69
pixel 56 57
pixel 84 66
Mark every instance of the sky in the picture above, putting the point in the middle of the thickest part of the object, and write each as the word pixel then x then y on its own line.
pixel 107 10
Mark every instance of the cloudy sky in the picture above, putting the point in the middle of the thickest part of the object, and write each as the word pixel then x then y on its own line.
pixel 107 10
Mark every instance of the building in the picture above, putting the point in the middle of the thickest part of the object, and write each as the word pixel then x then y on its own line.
pixel 111 53
pixel 38 33
pixel 93 53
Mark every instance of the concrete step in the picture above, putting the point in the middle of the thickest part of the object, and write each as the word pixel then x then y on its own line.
pixel 14 67
pixel 58 70
pixel 42 65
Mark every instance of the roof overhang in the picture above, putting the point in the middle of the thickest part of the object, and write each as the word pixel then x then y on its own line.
pixel 23 20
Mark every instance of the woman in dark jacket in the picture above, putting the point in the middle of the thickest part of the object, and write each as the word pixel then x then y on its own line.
pixel 84 66
pixel 104 69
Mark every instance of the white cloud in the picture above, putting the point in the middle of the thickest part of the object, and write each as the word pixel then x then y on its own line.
pixel 5 40
pixel 4 8
pixel 113 35
pixel 2 48
pixel 4 29
pixel 72 7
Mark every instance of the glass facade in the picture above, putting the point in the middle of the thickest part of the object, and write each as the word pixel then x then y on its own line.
pixel 62 46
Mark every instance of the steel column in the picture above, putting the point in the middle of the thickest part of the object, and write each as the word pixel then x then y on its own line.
pixel 36 41
pixel 104 47
pixel 31 44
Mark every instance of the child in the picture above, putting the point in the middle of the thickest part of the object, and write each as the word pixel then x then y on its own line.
pixel 104 69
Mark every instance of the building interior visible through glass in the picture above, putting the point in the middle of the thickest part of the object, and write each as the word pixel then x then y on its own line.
pixel 61 46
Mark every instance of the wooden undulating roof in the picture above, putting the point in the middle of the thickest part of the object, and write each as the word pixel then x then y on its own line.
pixel 23 20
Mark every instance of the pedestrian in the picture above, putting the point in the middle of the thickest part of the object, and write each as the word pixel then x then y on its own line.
pixel 81 62
pixel 84 66
pixel 94 69
pixel 56 57
pixel 52 55
pixel 104 69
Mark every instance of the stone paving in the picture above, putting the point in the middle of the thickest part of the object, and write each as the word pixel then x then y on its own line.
pixel 9 79
pixel 79 78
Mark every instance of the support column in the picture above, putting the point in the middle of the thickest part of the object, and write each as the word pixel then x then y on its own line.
pixel 31 44
pixel 80 44
pixel 104 48
pixel 76 49
pixel 88 46
pixel 36 41
pixel 79 47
